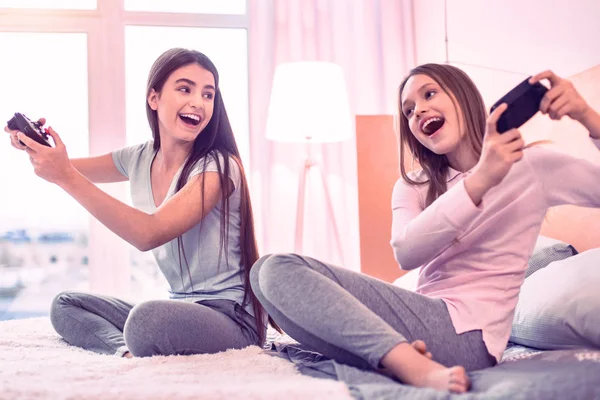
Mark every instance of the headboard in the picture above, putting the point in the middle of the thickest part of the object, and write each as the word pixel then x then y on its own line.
pixel 377 159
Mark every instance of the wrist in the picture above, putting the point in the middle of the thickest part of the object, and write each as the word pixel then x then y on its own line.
pixel 586 115
pixel 482 180
pixel 477 185
pixel 590 119
pixel 69 179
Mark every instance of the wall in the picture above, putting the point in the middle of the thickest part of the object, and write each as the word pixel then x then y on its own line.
pixel 543 34
pixel 377 160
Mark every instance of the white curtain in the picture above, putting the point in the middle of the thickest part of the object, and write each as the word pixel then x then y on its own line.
pixel 373 42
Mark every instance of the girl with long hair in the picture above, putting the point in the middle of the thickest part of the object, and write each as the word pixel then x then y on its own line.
pixel 469 219
pixel 191 209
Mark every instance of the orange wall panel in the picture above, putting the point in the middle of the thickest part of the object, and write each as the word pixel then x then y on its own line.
pixel 377 159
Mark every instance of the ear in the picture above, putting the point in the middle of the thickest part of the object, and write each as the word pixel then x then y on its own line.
pixel 153 99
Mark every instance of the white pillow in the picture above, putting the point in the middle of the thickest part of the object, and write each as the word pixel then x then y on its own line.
pixel 559 306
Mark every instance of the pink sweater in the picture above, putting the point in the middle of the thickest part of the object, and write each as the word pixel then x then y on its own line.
pixel 474 257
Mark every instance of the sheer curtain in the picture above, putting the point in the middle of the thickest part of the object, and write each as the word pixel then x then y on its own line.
pixel 373 42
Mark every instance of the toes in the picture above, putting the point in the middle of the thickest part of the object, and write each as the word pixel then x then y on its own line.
pixel 428 355
pixel 458 371
pixel 457 388
pixel 459 379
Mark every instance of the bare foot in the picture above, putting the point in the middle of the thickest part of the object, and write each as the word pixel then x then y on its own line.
pixel 419 346
pixel 408 365
pixel 454 379
pixel 127 355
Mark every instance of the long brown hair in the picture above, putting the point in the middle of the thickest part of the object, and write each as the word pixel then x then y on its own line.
pixel 468 100
pixel 216 139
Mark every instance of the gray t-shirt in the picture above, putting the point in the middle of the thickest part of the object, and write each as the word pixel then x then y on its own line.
pixel 211 279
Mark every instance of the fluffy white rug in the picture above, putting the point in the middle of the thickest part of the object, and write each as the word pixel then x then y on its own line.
pixel 36 364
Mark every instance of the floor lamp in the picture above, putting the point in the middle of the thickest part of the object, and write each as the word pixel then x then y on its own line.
pixel 309 104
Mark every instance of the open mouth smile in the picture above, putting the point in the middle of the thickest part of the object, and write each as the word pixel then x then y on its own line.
pixel 191 119
pixel 432 125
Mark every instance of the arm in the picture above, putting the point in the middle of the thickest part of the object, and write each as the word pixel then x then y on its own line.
pixel 566 179
pixel 591 121
pixel 99 169
pixel 146 231
pixel 420 235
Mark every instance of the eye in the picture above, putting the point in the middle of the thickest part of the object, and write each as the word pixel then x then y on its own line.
pixel 209 95
pixel 184 89
pixel 408 112
pixel 429 94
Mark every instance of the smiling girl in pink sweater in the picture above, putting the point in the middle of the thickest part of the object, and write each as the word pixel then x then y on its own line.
pixel 469 220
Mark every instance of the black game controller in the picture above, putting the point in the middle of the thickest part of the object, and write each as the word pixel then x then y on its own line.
pixel 523 102
pixel 33 130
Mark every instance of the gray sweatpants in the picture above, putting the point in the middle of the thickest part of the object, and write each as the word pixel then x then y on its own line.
pixel 108 325
pixel 356 319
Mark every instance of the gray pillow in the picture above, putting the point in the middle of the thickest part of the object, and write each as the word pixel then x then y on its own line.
pixel 548 250
pixel 559 306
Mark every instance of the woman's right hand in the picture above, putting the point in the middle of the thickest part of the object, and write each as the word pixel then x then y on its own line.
pixel 14 141
pixel 500 151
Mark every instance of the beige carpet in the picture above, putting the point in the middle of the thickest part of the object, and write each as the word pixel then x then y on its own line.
pixel 36 364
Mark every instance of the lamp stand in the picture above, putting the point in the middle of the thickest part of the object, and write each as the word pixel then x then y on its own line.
pixel 299 239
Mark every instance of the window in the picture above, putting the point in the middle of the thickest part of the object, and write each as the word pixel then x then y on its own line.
pixel 44 231
pixel 82 64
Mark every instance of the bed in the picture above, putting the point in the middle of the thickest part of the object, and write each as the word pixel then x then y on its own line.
pixel 524 373
pixel 36 364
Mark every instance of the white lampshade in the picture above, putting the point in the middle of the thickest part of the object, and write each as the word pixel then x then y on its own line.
pixel 309 102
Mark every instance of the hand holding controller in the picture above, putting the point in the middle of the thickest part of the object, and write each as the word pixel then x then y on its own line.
pixel 523 102
pixel 33 130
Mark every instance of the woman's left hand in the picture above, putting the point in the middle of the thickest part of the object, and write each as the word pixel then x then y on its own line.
pixel 49 163
pixel 562 98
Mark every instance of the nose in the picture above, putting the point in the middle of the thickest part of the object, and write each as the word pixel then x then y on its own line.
pixel 420 110
pixel 197 101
